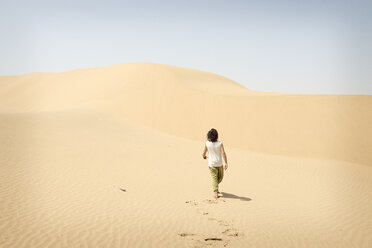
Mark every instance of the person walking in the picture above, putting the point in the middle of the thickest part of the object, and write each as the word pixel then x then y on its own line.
pixel 216 152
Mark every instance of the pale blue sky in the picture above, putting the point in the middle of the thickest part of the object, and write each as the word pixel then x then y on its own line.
pixel 318 47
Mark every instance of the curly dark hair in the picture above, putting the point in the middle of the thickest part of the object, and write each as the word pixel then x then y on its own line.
pixel 212 135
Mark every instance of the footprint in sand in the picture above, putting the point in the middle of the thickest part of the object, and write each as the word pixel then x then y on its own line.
pixel 213 241
pixel 192 203
pixel 186 234
pixel 232 232
pixel 201 211
pixel 200 242
pixel 220 222
pixel 206 201
pixel 215 201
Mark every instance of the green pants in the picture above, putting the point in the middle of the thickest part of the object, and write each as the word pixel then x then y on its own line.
pixel 217 175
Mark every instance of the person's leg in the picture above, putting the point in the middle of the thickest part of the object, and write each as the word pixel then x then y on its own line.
pixel 220 173
pixel 219 176
pixel 214 174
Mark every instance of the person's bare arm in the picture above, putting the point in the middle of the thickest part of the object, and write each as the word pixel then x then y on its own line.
pixel 205 152
pixel 223 153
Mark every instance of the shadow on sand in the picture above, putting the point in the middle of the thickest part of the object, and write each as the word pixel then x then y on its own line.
pixel 228 195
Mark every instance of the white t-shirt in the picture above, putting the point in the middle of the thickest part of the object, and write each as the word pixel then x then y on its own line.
pixel 214 151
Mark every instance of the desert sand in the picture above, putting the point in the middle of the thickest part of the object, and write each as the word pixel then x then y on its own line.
pixel 112 157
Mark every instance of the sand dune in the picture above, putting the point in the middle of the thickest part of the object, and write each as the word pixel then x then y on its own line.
pixel 186 102
pixel 299 175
